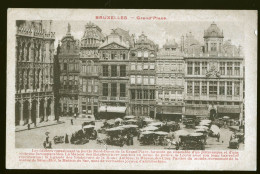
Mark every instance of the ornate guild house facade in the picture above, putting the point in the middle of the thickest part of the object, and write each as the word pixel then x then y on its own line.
pixel 169 82
pixel 34 72
pixel 214 78
pixel 142 77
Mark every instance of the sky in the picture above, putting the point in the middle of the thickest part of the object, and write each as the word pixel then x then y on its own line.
pixel 157 31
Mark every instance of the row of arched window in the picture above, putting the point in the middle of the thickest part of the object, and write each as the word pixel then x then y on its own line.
pixel 29 52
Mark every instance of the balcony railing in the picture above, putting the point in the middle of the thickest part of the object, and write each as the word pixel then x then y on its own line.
pixel 111 98
pixel 35 33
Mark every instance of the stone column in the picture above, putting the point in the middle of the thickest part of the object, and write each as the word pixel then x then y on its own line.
pixel 155 112
pixel 21 114
pixel 44 110
pixel 51 116
pixel 38 112
pixel 30 112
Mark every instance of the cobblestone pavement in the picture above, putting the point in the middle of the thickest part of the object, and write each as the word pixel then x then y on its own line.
pixel 34 138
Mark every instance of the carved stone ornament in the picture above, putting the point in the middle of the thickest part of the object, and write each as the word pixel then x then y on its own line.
pixel 213 72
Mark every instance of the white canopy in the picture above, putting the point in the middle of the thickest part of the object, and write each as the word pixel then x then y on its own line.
pixel 116 109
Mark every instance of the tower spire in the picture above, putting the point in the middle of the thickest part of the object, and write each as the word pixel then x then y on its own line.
pixel 68 30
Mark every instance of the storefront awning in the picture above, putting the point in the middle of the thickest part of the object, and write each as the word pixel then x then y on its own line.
pixel 116 109
pixel 169 110
pixel 228 110
pixel 196 111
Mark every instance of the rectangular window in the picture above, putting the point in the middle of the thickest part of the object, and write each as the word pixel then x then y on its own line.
pixel 229 68
pixel 222 68
pixel 65 67
pixel 213 47
pixel 152 94
pixel 122 70
pixel 132 79
pixel 96 88
pixel 139 79
pixel 105 70
pixel 189 70
pixel 139 66
pixel 237 68
pixel 166 80
pixel 145 54
pixel 105 89
pixel 146 66
pixel 113 70
pixel 152 80
pixel 146 94
pixel 113 56
pixel 122 90
pixel 197 68
pixel 204 88
pixel 113 89
pixel 221 88
pixel 204 67
pixel 229 88
pixel 89 88
pixel 132 66
pixel 139 94
pixel 145 80
pixel 151 66
pixel 132 93
pixel 189 87
pixel 196 88
pixel 139 54
pixel 237 88
pixel 89 109
pixel 213 88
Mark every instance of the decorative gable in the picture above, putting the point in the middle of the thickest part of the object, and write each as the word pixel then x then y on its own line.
pixel 113 46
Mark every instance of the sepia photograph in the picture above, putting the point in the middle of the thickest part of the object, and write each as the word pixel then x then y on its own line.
pixel 131 89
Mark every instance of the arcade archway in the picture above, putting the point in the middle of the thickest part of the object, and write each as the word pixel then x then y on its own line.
pixel 34 111
pixel 17 113
pixel 26 111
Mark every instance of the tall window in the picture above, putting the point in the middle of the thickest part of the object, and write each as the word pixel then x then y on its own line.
pixel 189 70
pixel 122 90
pixel 221 88
pixel 229 68
pixel 139 79
pixel 105 70
pixel 122 70
pixel 152 94
pixel 139 94
pixel 213 88
pixel 139 66
pixel 145 66
pixel 113 56
pixel 189 87
pixel 152 80
pixel 222 68
pixel 113 89
pixel 197 68
pixel 89 88
pixel 132 66
pixel 96 88
pixel 151 66
pixel 113 70
pixel 132 93
pixel 229 88
pixel 196 88
pixel 145 80
pixel 146 94
pixel 139 54
pixel 105 89
pixel 132 79
pixel 237 68
pixel 145 54
pixel 204 67
pixel 204 88
pixel 237 88
pixel 213 47
pixel 65 66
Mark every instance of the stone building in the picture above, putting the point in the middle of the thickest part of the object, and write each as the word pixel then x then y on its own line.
pixel 34 72
pixel 142 77
pixel 169 82
pixel 114 80
pixel 89 69
pixel 69 60
pixel 214 78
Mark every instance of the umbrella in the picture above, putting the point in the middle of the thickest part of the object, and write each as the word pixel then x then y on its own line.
pixel 155 124
pixel 150 128
pixel 215 129
pixel 118 120
pixel 115 128
pixel 131 120
pixel 196 134
pixel 129 117
pixel 226 117
pixel 181 132
pixel 161 133
pixel 131 126
pixel 88 126
pixel 200 130
pixel 205 121
pixel 201 127
pixel 147 132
